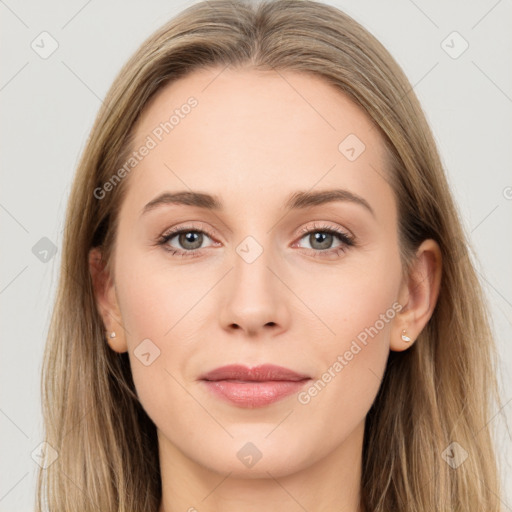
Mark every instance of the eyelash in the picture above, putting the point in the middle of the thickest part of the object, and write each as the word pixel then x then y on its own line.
pixel 346 239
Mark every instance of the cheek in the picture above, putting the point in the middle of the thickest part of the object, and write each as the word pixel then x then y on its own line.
pixel 162 329
pixel 357 310
pixel 356 301
pixel 158 345
pixel 154 297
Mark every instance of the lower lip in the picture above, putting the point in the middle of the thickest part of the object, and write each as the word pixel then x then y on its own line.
pixel 255 393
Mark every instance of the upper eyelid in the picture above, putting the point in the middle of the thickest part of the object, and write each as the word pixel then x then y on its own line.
pixel 335 229
pixel 186 227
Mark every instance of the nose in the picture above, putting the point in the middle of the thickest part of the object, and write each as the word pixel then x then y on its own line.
pixel 255 298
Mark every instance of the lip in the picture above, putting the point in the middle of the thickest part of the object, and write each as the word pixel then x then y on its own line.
pixel 253 387
pixel 264 372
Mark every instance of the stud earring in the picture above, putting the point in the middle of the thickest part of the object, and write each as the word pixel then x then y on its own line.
pixel 112 334
pixel 405 337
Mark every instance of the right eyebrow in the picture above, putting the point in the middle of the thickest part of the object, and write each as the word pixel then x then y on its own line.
pixel 198 199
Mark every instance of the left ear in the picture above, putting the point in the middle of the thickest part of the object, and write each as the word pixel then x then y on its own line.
pixel 418 295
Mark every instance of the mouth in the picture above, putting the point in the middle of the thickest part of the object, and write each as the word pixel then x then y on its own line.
pixel 253 387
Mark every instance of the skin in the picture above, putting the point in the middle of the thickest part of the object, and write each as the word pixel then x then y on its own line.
pixel 254 139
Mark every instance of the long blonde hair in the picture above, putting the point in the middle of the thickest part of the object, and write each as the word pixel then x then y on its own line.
pixel 439 391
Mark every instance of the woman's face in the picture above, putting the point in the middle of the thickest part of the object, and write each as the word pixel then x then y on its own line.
pixel 262 277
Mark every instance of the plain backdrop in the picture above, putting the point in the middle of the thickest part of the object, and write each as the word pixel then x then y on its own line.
pixel 48 106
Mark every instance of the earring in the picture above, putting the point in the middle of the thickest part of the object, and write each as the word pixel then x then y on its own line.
pixel 112 334
pixel 405 337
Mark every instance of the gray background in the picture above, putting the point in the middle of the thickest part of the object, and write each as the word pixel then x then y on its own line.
pixel 49 105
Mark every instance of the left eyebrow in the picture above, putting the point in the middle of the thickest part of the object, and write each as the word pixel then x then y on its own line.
pixel 308 199
pixel 297 200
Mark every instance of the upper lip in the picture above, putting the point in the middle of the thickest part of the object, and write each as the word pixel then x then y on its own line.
pixel 260 373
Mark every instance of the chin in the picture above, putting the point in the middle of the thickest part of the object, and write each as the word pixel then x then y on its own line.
pixel 251 456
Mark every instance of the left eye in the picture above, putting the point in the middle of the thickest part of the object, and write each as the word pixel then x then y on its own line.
pixel 322 240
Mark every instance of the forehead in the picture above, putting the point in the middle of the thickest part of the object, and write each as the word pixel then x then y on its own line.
pixel 250 131
pixel 258 102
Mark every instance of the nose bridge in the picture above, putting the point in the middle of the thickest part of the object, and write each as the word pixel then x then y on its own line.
pixel 251 274
pixel 254 298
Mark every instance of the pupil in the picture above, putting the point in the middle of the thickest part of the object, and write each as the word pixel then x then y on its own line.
pixel 190 238
pixel 321 238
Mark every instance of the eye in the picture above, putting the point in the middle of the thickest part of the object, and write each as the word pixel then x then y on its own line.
pixel 321 239
pixel 188 239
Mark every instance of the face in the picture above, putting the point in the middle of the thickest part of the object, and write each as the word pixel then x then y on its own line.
pixel 274 274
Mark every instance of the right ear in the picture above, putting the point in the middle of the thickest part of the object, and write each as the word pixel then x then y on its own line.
pixel 106 301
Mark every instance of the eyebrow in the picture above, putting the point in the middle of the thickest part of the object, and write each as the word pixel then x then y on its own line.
pixel 297 200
